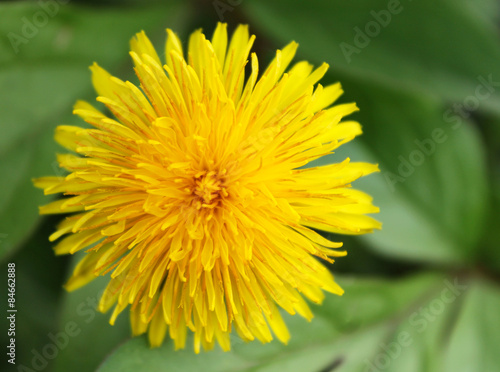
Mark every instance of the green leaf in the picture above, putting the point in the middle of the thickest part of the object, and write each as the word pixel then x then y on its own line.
pixel 487 10
pixel 432 186
pixel 425 323
pixel 39 275
pixel 473 342
pixel 452 330
pixel 42 76
pixel 408 44
pixel 346 330
pixel 489 242
pixel 89 334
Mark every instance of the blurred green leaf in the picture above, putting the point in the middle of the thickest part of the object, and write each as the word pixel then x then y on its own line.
pixel 39 275
pixel 345 332
pixel 489 242
pixel 474 341
pixel 432 187
pixel 454 329
pixel 487 10
pixel 41 77
pixel 94 337
pixel 437 47
pixel 450 331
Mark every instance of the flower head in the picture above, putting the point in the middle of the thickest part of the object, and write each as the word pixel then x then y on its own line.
pixel 194 196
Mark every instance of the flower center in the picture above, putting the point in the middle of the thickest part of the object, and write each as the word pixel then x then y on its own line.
pixel 209 187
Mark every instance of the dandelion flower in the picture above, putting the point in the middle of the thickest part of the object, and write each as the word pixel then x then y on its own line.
pixel 194 197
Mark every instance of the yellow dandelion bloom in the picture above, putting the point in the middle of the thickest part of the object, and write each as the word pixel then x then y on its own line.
pixel 194 196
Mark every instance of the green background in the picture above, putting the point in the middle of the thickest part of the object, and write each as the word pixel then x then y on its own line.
pixel 423 294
